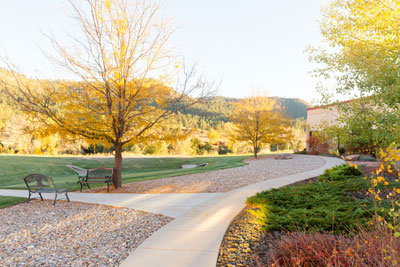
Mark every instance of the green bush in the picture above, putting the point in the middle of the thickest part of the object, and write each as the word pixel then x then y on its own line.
pixel 340 172
pixel 200 148
pixel 341 150
pixel 152 149
pixel 367 158
pixel 312 207
pixel 302 152
pixel 325 205
pixel 134 148
pixel 97 148
pixel 208 147
pixel 223 150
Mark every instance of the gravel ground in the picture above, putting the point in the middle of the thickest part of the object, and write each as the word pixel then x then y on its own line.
pixel 244 244
pixel 223 180
pixel 72 234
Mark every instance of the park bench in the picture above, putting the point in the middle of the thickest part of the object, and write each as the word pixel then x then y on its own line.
pixel 95 176
pixel 80 171
pixel 39 183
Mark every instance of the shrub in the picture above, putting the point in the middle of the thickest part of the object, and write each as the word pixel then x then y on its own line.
pixel 369 248
pixel 311 207
pixel 385 193
pixel 223 149
pixel 320 206
pixel 97 148
pixel 149 150
pixel 200 148
pixel 303 152
pixel 196 146
pixel 153 149
pixel 134 148
pixel 208 147
pixel 367 158
pixel 317 145
pixel 340 172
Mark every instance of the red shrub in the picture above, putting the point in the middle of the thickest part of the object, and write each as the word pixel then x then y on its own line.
pixel 317 145
pixel 368 248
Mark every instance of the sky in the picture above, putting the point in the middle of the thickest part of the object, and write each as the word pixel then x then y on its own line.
pixel 242 43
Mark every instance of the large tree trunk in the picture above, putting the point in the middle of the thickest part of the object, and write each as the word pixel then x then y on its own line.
pixel 117 178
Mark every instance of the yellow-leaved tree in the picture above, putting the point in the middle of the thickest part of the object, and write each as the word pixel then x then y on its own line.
pixel 259 121
pixel 365 38
pixel 113 98
pixel 362 56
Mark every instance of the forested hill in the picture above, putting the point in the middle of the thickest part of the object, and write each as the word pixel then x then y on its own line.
pixel 294 107
pixel 218 109
pixel 212 113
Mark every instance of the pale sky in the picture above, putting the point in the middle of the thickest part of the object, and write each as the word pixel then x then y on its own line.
pixel 255 42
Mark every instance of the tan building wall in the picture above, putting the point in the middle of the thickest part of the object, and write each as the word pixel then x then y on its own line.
pixel 319 115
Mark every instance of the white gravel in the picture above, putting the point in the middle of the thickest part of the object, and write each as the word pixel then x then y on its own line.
pixel 72 234
pixel 224 180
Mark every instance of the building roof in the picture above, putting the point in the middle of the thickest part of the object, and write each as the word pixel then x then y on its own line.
pixel 333 104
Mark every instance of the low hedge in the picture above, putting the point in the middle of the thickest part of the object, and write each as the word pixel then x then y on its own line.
pixel 324 205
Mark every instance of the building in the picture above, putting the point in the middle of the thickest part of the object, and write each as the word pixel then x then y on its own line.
pixel 316 116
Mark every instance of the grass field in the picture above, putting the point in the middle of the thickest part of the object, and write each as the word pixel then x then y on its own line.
pixel 14 168
pixel 9 201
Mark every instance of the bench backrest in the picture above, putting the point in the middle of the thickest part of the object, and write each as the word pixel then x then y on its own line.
pixel 36 181
pixel 99 173
pixel 80 171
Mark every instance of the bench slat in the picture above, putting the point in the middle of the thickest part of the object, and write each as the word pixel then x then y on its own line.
pixel 97 182
pixel 97 175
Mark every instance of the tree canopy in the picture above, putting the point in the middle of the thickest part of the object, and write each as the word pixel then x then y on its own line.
pixel 114 99
pixel 258 122
pixel 363 56
pixel 364 48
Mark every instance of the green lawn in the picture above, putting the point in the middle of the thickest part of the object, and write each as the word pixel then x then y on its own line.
pixel 9 201
pixel 14 168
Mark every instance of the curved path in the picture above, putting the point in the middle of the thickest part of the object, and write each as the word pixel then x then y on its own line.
pixel 193 239
pixel 201 219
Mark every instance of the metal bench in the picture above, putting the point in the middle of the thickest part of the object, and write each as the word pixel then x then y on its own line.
pixel 80 171
pixel 95 176
pixel 39 183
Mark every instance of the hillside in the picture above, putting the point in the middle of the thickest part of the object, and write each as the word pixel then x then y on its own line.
pixel 216 110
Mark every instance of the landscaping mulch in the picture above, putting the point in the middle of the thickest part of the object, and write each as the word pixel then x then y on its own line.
pixel 244 244
pixel 72 233
pixel 367 166
pixel 383 194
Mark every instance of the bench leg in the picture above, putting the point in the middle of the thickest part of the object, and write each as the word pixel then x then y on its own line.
pixel 108 187
pixel 66 194
pixel 40 194
pixel 81 186
pixel 55 198
pixel 29 197
pixel 88 186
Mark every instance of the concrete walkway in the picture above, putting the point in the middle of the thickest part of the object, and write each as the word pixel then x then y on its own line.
pixel 173 205
pixel 193 239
